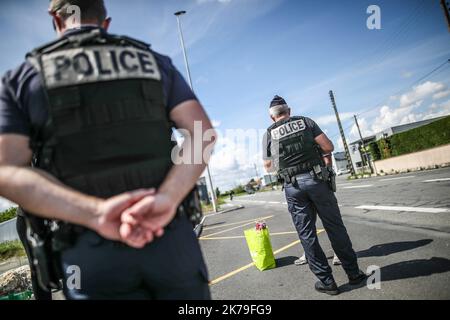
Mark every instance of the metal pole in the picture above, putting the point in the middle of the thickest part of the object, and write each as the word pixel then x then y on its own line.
pixel 186 63
pixel 446 9
pixel 364 146
pixel 344 141
pixel 188 71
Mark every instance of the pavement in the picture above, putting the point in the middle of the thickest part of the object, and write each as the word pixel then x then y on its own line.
pixel 399 225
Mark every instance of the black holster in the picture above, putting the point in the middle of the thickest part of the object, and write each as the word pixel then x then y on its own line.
pixel 191 207
pixel 44 258
pixel 327 175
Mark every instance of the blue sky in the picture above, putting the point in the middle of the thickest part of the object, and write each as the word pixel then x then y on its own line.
pixel 243 52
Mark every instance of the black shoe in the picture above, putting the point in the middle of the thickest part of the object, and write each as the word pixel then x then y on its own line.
pixel 330 289
pixel 357 279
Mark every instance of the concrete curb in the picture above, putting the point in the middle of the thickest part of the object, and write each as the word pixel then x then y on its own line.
pixel 234 208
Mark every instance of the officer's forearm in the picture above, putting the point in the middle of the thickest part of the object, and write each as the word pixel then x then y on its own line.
pixel 328 160
pixel 180 181
pixel 324 143
pixel 190 116
pixel 41 194
pixel 182 177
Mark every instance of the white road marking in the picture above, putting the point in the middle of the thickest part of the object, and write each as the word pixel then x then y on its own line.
pixel 410 209
pixel 356 187
pixel 390 179
pixel 345 184
pixel 263 202
pixel 437 180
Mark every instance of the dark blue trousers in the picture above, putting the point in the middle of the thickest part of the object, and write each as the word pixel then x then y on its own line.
pixel 306 199
pixel 170 268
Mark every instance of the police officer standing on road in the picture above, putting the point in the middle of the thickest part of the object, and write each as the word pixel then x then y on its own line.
pixel 301 154
pixel 93 114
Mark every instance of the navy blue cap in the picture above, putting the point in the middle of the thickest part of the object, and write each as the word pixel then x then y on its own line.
pixel 277 101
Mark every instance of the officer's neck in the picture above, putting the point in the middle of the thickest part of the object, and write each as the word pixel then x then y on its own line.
pixel 77 27
pixel 281 118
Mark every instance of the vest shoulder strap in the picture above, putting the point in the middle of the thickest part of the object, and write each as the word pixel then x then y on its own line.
pixel 95 36
pixel 87 38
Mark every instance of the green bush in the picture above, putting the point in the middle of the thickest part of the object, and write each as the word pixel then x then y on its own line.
pixel 384 145
pixel 8 214
pixel 238 190
pixel 374 151
pixel 426 137
pixel 11 249
pixel 432 135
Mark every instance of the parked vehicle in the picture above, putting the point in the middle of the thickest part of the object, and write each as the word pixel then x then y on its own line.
pixel 342 171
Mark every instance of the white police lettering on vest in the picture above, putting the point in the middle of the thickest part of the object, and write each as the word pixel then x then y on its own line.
pixel 288 129
pixel 98 63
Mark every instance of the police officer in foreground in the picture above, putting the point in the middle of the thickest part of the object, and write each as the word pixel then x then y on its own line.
pixel 93 114
pixel 301 154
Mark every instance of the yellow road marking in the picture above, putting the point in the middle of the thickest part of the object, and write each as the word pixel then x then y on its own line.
pixel 243 237
pixel 282 233
pixel 222 238
pixel 237 227
pixel 228 275
pixel 232 273
pixel 230 224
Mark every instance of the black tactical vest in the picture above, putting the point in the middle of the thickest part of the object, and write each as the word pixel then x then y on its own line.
pixel 108 129
pixel 293 144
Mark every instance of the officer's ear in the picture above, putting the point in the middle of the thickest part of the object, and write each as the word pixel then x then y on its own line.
pixel 58 23
pixel 106 23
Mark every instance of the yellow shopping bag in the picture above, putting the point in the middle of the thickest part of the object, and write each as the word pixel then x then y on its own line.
pixel 258 242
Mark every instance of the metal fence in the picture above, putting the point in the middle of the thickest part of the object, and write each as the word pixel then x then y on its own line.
pixel 8 231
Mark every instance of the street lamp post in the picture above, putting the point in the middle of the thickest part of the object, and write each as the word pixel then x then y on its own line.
pixel 188 71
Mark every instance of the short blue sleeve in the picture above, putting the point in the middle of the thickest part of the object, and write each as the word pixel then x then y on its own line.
pixel 13 119
pixel 176 89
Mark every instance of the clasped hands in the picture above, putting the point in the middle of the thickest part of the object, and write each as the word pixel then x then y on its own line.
pixel 135 218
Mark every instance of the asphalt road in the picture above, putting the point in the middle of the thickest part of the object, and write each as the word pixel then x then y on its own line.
pixel 399 224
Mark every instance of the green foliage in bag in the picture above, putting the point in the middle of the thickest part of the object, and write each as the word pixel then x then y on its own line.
pixel 260 248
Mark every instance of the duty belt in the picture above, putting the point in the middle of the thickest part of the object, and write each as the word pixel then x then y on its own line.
pixel 287 174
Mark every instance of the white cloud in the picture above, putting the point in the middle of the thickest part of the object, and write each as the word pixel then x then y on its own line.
pixel 235 156
pixel 441 95
pixel 415 105
pixel 421 92
pixel 390 117
pixel 409 103
pixel 363 126
pixel 437 110
pixel 312 95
